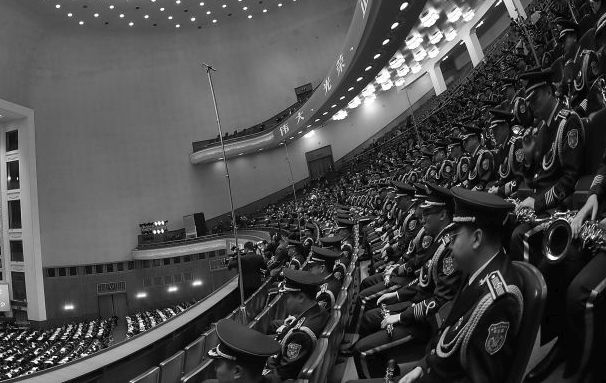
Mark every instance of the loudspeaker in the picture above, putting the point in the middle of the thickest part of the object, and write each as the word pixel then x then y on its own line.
pixel 200 224
pixel 303 92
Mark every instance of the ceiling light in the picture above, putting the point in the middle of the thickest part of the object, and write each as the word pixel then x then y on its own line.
pixel 400 81
pixel 311 133
pixel 316 120
pixel 350 89
pixel 196 283
pixel 368 91
pixel 359 79
pixel 397 60
pixel 170 17
pixel 368 68
pixel 468 13
pixel 404 6
pixel 429 17
pixel 192 19
pixel 445 58
pixel 419 54
pixel 202 4
pixel 387 85
pixel 325 113
pixel 58 6
pixel 354 103
pixel 334 106
pixel 214 21
pixel 394 25
pixel 146 17
pixel 250 16
pixel 245 8
pixel 480 24
pixel 340 115
pixel 141 295
pixel 264 10
pixel 178 1
pixel 279 4
pixel 403 70
pixel 178 26
pixel 453 13
pixel 162 9
pixel 122 15
pixel 385 42
pixel 415 67
pixel 224 6
pixel 341 98
pixel 377 56
pixel 68 307
pixel 96 15
pixel 208 12
pixel 369 100
pixel 413 41
pixel 111 7
pixel 81 22
pixel 450 33
pixel 70 14
pixel 383 76
pixel 172 289
pixel 131 24
pixel 435 36
pixel 433 51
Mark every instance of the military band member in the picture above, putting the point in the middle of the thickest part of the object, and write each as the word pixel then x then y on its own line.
pixel 481 163
pixel 241 354
pixel 323 261
pixel 476 342
pixel 299 333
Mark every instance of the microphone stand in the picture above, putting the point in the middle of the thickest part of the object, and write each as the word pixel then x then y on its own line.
pixel 228 181
pixel 294 190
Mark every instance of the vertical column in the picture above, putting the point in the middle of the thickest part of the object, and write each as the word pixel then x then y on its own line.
pixel 473 47
pixel 515 9
pixel 437 78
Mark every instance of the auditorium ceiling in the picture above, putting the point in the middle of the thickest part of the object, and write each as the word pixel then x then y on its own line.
pixel 158 14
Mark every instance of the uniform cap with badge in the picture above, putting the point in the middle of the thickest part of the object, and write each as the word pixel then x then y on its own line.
pixel 536 79
pixel 480 208
pixel 301 281
pixel 240 343
pixel 438 198
pixel 324 256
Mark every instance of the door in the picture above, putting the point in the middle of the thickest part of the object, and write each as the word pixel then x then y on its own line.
pixel 106 306
pixel 319 162
pixel 120 306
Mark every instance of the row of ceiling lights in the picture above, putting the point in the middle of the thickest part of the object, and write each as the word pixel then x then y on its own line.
pixel 395 72
pixel 192 19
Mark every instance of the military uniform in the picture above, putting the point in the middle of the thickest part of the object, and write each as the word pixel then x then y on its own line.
pixel 299 334
pixel 510 156
pixel 329 290
pixel 476 342
pixel 238 343
pixel 481 162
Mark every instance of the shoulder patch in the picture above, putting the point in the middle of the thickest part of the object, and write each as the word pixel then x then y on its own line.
pixel 485 164
pixel 448 265
pixel 573 138
pixel 496 284
pixel 564 113
pixel 497 334
pixel 519 155
pixel 292 350
pixel 427 241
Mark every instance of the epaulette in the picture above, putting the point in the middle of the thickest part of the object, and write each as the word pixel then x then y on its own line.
pixel 564 113
pixel 496 284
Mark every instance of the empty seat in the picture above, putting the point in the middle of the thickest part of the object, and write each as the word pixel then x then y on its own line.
pixel 211 340
pixel 193 354
pixel 150 376
pixel 312 369
pixel 171 369
pixel 202 372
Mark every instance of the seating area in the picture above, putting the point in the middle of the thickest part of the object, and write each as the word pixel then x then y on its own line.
pixel 25 351
pixel 144 321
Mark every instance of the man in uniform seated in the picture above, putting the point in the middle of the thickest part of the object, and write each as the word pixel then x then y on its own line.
pixel 241 354
pixel 476 342
pixel 300 331
pixel 323 262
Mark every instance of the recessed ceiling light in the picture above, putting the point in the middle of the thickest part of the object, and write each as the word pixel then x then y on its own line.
pixel 279 4
pixel 245 8
pixel 377 56
pixel 350 89
pixel 162 9
pixel 265 11
pixel 58 6
pixel 215 21
pixel 342 98
pixel 334 106
pixel 96 15
pixel 202 4
pixel 81 22
pixel 178 26
pixel 69 14
pixel 178 1
pixel 386 41
pixel 111 6
pixel 131 24
pixel 122 15
pixel 250 16
pixel 368 68
pixel 317 119
pixel 359 79
pixel 170 17
pixel 146 17
pixel 224 6
pixel 325 113
pixel 208 12
pixel 404 6
pixel 394 25
pixel 193 19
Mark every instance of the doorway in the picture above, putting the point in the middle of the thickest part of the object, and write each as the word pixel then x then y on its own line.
pixel 112 304
pixel 320 162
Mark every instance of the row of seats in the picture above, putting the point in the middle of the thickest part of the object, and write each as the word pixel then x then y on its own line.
pixel 146 320
pixel 26 351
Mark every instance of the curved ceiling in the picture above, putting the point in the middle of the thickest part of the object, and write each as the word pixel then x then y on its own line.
pixel 157 14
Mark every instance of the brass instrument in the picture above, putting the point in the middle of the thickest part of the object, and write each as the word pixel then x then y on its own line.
pixel 557 230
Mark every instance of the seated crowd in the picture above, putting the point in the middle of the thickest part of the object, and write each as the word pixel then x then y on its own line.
pixel 25 351
pixel 143 321
pixel 504 167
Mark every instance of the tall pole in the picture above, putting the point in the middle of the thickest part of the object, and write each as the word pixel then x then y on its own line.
pixel 412 117
pixel 228 181
pixel 294 190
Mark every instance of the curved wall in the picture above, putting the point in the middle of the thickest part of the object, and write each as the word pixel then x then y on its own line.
pixel 116 113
